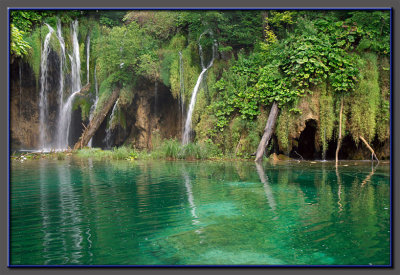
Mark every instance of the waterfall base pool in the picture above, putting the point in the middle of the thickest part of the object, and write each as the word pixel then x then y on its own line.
pixel 86 212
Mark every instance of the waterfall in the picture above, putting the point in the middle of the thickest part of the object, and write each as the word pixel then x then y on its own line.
pixel 76 79
pixel 181 89
pixel 62 62
pixel 65 112
pixel 65 122
pixel 87 57
pixel 107 138
pixel 188 123
pixel 93 108
pixel 43 108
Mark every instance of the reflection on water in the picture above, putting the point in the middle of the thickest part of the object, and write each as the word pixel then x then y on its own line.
pixel 86 212
pixel 190 198
pixel 267 188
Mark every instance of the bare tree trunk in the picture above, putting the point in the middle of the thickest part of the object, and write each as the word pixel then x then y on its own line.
pixel 340 131
pixel 94 124
pixel 369 147
pixel 269 129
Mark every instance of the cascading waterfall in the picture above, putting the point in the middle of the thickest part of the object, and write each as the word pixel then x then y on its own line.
pixel 65 122
pixel 61 80
pixel 43 108
pixel 181 89
pixel 107 138
pixel 76 78
pixel 66 109
pixel 93 108
pixel 188 123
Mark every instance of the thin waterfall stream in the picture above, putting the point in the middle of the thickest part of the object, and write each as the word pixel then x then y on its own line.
pixel 87 58
pixel 93 108
pixel 110 127
pixel 188 123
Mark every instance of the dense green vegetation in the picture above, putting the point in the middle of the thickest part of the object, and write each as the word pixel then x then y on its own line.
pixel 286 57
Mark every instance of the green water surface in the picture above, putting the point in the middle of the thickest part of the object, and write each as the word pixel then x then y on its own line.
pixel 86 212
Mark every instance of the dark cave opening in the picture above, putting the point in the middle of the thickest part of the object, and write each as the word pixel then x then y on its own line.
pixel 306 142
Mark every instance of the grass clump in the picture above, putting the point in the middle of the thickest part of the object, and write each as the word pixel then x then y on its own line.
pixel 173 149
pixel 120 153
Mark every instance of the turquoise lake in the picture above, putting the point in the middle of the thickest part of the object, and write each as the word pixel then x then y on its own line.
pixel 87 212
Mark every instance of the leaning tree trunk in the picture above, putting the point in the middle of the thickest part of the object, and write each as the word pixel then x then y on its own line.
pixel 340 131
pixel 269 129
pixel 94 124
pixel 370 148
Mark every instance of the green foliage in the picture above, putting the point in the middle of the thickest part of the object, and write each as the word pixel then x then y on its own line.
pixel 26 20
pixel 125 52
pixel 329 52
pixel 326 116
pixel 166 64
pixel 383 115
pixel 84 104
pixel 281 18
pixel 237 90
pixel 309 59
pixel 170 70
pixel 190 70
pixel 173 149
pixel 236 29
pixel 34 53
pixel 105 92
pixel 120 153
pixel 365 102
pixel 60 155
pixel 284 128
pixel 18 46
pixel 159 24
pixel 374 27
pixel 126 96
pixel 111 18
